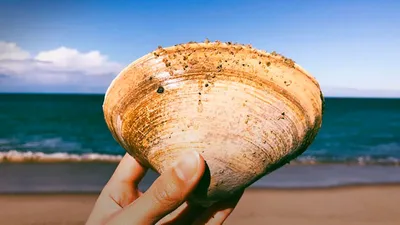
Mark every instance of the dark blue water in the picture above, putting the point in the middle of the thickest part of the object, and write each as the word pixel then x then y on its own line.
pixel 362 131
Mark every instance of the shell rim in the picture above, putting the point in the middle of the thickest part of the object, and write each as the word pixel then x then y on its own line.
pixel 196 45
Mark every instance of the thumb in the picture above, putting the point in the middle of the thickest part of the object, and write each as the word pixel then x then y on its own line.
pixel 167 193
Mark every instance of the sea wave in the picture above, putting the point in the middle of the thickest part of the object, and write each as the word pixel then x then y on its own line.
pixel 14 156
pixel 359 160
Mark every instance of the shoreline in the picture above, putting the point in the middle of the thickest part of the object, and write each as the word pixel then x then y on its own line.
pixel 91 177
pixel 351 205
pixel 249 189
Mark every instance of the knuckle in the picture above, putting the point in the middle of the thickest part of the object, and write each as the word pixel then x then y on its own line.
pixel 167 194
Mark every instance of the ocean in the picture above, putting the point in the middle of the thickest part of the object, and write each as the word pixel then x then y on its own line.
pixel 59 142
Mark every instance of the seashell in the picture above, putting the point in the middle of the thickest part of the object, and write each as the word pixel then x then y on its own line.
pixel 246 111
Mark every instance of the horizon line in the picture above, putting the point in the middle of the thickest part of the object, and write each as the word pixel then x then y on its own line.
pixel 100 93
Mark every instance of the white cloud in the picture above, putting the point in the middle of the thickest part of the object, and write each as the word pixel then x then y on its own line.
pixel 61 65
pixel 11 51
pixel 71 60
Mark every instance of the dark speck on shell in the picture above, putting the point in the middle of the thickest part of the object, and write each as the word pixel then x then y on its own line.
pixel 160 90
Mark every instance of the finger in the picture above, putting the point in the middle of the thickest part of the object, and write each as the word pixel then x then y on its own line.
pixel 218 213
pixel 122 186
pixel 103 209
pixel 185 214
pixel 119 192
pixel 129 171
pixel 167 193
pixel 171 216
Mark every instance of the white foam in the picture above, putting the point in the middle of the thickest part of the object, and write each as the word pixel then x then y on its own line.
pixel 20 157
pixel 14 156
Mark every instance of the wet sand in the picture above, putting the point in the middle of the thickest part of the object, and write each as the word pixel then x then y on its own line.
pixel 354 205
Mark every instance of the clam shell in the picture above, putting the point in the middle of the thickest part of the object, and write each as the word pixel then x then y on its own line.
pixel 246 111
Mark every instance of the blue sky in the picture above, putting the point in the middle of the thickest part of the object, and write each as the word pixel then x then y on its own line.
pixel 351 47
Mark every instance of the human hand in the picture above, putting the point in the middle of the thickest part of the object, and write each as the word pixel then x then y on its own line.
pixel 121 202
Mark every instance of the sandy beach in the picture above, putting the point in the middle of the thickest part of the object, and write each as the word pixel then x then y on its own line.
pixel 355 205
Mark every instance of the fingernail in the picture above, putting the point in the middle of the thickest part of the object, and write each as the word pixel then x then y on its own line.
pixel 187 166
